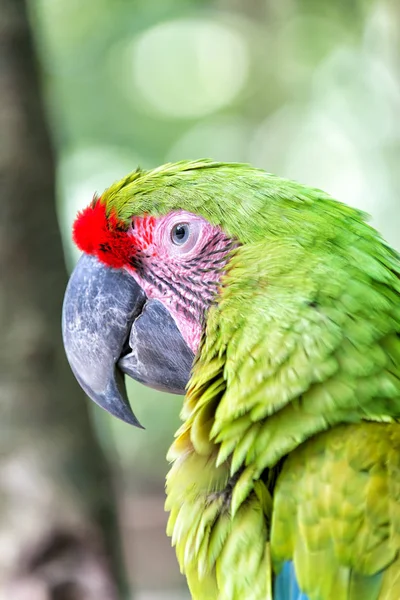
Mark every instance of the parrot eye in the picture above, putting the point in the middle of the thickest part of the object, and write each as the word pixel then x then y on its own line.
pixel 180 233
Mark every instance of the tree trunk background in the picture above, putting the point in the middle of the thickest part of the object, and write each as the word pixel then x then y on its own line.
pixel 57 523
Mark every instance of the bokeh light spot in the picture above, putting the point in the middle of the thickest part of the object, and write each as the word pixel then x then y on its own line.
pixel 189 68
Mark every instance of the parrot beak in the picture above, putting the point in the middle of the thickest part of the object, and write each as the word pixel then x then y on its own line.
pixel 109 328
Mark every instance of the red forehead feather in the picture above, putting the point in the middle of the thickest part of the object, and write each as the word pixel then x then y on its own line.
pixel 104 237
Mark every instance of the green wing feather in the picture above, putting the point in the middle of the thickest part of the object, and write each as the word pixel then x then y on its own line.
pixel 300 357
pixel 337 513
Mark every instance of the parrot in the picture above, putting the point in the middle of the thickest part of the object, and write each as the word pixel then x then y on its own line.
pixel 273 309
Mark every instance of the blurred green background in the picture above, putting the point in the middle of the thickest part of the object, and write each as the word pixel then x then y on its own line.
pixel 308 89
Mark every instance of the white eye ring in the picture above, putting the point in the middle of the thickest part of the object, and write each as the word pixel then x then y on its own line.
pixel 180 233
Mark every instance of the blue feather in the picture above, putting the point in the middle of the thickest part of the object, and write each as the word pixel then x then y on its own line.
pixel 286 586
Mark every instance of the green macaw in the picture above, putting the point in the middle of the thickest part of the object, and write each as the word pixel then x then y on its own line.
pixel 277 309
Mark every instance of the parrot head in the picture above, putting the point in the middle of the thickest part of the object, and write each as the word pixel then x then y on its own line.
pixel 158 250
pixel 137 300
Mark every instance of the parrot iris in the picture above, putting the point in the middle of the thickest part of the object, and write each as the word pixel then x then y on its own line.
pixel 275 310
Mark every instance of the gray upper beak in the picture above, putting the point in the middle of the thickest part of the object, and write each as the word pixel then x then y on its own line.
pixel 110 327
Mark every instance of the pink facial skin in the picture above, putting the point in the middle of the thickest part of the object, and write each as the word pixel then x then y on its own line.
pixel 179 261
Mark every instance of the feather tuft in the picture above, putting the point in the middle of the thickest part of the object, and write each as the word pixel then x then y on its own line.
pixel 103 236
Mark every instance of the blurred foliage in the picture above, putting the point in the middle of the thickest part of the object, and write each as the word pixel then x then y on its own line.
pixel 309 89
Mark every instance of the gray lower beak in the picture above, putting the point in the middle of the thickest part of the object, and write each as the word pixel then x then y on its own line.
pixel 109 328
